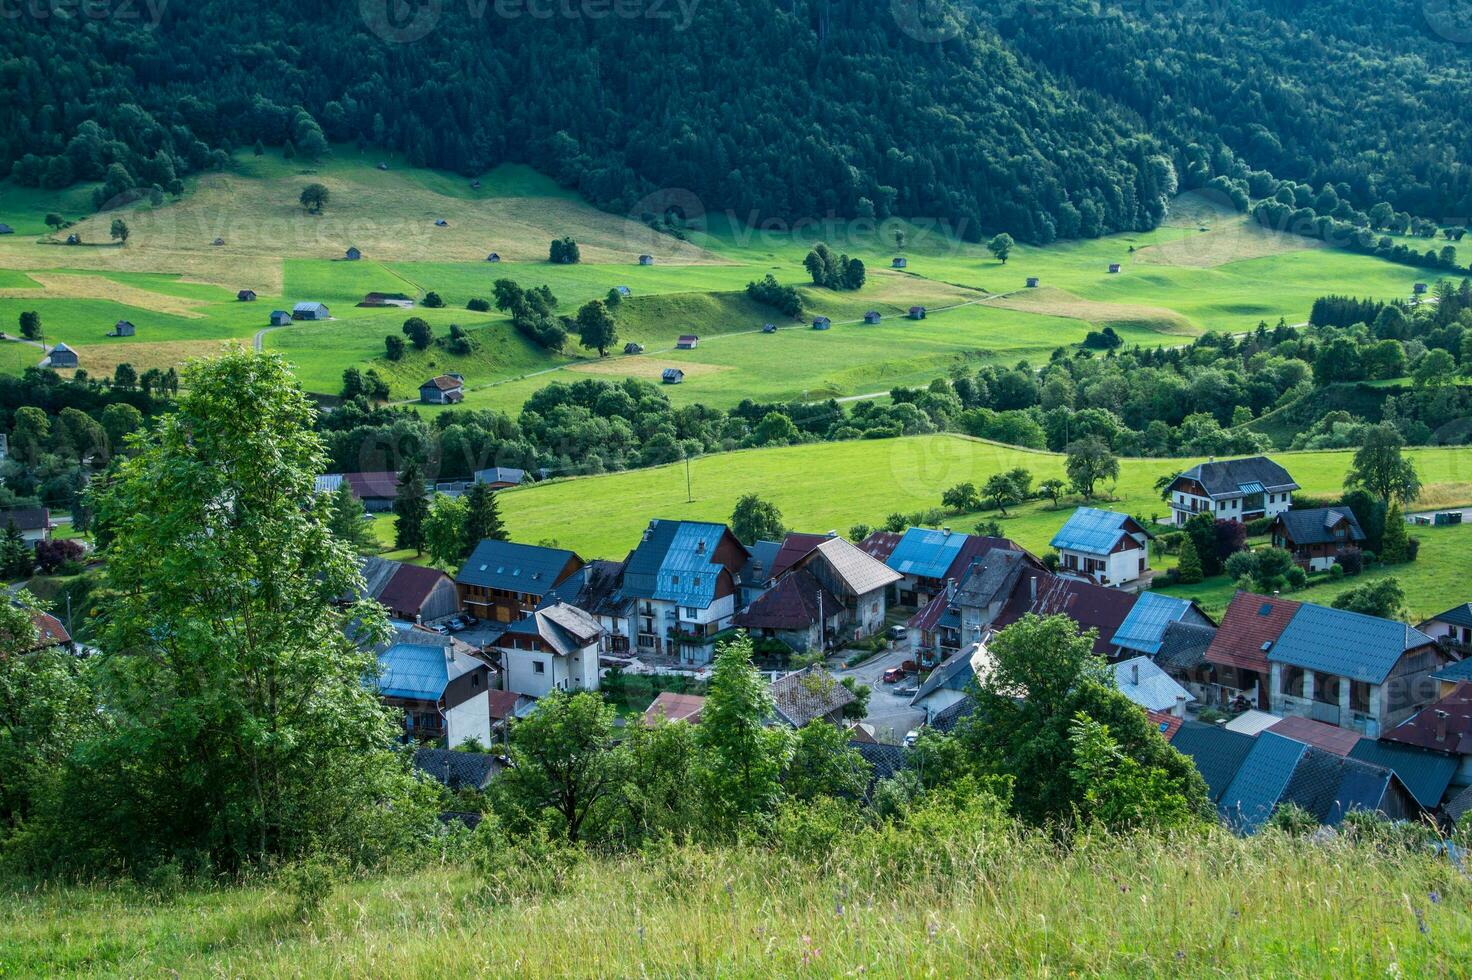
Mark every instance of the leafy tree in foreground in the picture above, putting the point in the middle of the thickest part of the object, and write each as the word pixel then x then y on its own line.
pixel 824 764
pixel 565 760
pixel 240 727
pixel 743 758
pixel 755 519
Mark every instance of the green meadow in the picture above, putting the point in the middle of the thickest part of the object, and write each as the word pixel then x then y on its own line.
pixel 1201 270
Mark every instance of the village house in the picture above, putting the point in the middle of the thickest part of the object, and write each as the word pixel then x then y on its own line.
pixel 672 376
pixel 500 477
pixel 503 581
pixel 1143 630
pixel 756 575
pixel 670 706
pixel 439 686
pixel 1182 654
pixel 375 491
pixel 950 681
pixel 917 313
pixel 1237 659
pixel 1140 680
pixel 457 770
pixel 687 342
pixel 682 577
pixel 597 589
pixel 280 318
pixel 1452 629
pixel 860 583
pixel 808 695
pixel 554 648
pixel 412 593
pixel 447 389
pixel 872 317
pixel 1232 490
pixel 1106 547
pixel 62 356
pixel 797 611
pixel 246 296
pixel 33 523
pixel 1318 536
pixel 927 560
pixel 310 311
pixel 1352 670
pixel 899 262
pixel 1443 727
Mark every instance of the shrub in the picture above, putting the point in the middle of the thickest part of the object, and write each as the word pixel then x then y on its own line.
pixel 1350 562
pixel 309 883
pixel 478 305
pixel 1259 527
pixel 1337 572
pixel 1297 578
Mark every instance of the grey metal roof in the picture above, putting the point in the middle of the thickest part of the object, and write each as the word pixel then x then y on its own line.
pixel 1426 774
pixel 1455 673
pixel 925 553
pixel 946 719
pixel 759 568
pixel 1091 530
pixel 808 694
pixel 1233 477
pixel 525 568
pixel 1216 751
pixel 1261 781
pixel 594 588
pixel 990 579
pixel 1350 644
pixel 1314 526
pixel 1330 787
pixel 566 629
pixel 954 673
pixel 1143 630
pixel 886 759
pixel 1147 685
pixel 861 573
pixel 674 563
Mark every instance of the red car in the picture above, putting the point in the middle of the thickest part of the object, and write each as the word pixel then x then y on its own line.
pixel 894 675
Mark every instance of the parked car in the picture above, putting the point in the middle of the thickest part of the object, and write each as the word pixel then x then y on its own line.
pixel 910 738
pixel 894 675
pixel 908 691
pixel 897 633
pixel 441 629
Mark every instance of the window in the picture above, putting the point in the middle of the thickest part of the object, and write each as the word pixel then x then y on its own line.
pixel 538 667
pixel 692 613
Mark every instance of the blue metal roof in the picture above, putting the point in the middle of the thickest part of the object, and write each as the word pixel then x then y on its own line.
pixel 1455 673
pixel 1144 628
pixel 1251 488
pixel 674 563
pixel 1353 645
pixel 515 567
pixel 1260 781
pixel 1425 774
pixel 925 553
pixel 413 670
pixel 1092 530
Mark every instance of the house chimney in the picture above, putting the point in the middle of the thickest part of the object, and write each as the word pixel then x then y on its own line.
pixel 946 531
pixel 1441 717
pixel 1032 588
pixel 1135 673
pixel 1180 706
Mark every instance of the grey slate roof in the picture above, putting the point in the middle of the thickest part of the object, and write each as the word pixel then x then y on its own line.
pixel 991 579
pixel 566 629
pixel 1154 690
pixel 516 567
pixel 861 573
pixel 594 588
pixel 759 568
pixel 954 673
pixel 1183 646
pixel 1330 787
pixel 808 694
pixel 1456 615
pixel 457 770
pixel 1313 526
pixel 1217 753
pixel 1425 774
pixel 1350 644
pixel 886 759
pixel 673 563
pixel 1455 673
pixel 1227 478
pixel 945 720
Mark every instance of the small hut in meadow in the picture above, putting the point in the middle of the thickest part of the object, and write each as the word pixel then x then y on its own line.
pixel 899 262
pixel 246 296
pixel 123 328
pixel 352 254
pixel 769 328
pixel 1032 282
pixel 672 376
pixel 872 317
pixel 917 313
pixel 62 356
pixel 493 257
pixel 821 323
pixel 633 348
pixel 646 260
pixel 1113 268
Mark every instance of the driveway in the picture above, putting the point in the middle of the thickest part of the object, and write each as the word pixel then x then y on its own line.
pixel 890 715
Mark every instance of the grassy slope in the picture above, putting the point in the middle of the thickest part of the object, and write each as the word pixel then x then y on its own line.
pixel 835 485
pixel 1220 906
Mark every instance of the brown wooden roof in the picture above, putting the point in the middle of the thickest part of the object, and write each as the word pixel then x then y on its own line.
pixel 1249 622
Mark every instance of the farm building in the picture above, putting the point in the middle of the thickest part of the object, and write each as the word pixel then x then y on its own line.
pixel 1113 267
pixel 1032 282
pixel 123 328
pixel 475 185
pixel 6 229
pixel 500 477
pixel 379 300
pixel 769 328
pixel 633 348
pixel 646 260
pixel 280 318
pixel 62 356
pixel 74 239
pixel 352 254
pixel 899 262
pixel 687 341
pixel 821 323
pixel 625 291
pixel 407 592
pixel 218 242
pixel 447 389
pixel 493 257
pixel 917 313
pixel 310 311
pixel 33 523
pixel 441 223
pixel 1419 288
pixel 374 490
pixel 672 376
pixel 872 317
pixel 246 296
pixel 383 166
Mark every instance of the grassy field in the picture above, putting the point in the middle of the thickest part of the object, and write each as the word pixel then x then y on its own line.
pixel 832 486
pixel 1201 270
pixel 983 904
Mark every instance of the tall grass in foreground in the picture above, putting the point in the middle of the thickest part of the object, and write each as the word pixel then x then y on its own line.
pixel 959 900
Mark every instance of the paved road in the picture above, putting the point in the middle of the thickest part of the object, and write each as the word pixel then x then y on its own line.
pixel 890 714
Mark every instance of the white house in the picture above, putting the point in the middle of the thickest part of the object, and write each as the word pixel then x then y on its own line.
pixel 441 687
pixel 33 523
pixel 684 580
pixel 1232 490
pixel 555 648
pixel 1103 546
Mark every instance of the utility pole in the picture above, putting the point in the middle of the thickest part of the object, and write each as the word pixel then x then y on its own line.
pixel 689 495
pixel 822 626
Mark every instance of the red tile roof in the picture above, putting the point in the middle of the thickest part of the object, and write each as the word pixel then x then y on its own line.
pixel 880 544
pixel 792 604
pixel 794 547
pixel 444 383
pixel 1330 738
pixel 503 703
pixel 1167 724
pixel 373 485
pixel 409 589
pixel 1250 621
pixel 1091 606
pixel 675 707
pixel 52 633
pixel 975 548
pixel 1429 730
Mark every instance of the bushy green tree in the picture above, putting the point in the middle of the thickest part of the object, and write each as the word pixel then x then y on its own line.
pixel 314 198
pixel 1380 467
pixel 1384 598
pixel 566 763
pixel 1395 542
pixel 1001 247
pixel 1090 461
pixel 482 516
pixel 743 759
pixel 348 520
pixel 411 508
pixel 824 764
pixel 755 519
pixel 444 530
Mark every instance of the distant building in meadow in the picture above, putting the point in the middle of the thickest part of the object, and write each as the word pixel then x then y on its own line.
pixel 352 254
pixel 62 356
pixel 872 317
pixel 899 262
pixel 246 296
pixel 123 328
pixel 917 313
pixel 646 260
pixel 672 376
